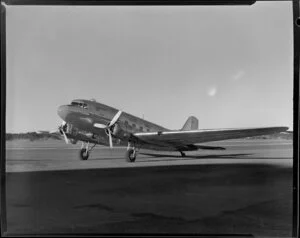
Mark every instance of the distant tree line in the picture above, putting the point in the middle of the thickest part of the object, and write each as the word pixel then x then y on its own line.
pixel 282 136
pixel 32 136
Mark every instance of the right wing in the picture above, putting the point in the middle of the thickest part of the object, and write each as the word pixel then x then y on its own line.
pixel 181 139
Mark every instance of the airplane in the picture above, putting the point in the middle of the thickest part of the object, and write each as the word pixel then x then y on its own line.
pixel 94 123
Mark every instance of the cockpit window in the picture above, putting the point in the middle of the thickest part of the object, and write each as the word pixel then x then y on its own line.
pixel 75 103
pixel 79 104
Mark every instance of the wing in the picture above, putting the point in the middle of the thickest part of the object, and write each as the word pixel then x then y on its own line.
pixel 184 138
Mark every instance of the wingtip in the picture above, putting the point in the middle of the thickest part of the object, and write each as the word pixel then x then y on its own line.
pixel 280 128
pixel 284 128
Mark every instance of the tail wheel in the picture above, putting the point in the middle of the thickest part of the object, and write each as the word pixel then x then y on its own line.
pixel 130 155
pixel 84 154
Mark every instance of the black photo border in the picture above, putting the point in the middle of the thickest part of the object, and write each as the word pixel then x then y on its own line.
pixel 296 66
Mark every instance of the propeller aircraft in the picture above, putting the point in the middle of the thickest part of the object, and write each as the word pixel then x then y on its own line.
pixel 94 123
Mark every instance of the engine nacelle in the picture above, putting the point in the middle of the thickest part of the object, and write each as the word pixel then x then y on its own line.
pixel 73 141
pixel 74 135
pixel 119 132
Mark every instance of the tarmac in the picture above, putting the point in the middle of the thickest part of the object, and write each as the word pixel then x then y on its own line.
pixel 246 189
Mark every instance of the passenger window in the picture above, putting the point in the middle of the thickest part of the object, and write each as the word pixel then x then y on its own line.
pixel 141 128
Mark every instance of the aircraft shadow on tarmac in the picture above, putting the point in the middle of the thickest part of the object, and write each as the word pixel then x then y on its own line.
pixel 179 157
pixel 194 157
pixel 170 157
pixel 191 157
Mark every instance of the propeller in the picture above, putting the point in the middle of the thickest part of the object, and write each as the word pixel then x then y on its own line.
pixel 108 127
pixel 63 132
pixel 58 132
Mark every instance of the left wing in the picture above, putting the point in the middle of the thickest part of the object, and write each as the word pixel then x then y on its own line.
pixel 183 138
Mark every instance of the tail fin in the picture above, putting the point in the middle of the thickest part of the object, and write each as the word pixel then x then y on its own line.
pixel 190 124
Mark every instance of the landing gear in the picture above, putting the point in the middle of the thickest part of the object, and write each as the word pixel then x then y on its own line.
pixel 131 152
pixel 85 152
pixel 130 155
pixel 182 153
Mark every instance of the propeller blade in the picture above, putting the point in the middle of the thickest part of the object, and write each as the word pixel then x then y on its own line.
pixel 113 121
pixel 110 139
pixel 66 138
pixel 101 126
pixel 63 132
pixel 115 118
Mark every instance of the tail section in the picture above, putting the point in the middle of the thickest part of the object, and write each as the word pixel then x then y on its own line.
pixel 190 124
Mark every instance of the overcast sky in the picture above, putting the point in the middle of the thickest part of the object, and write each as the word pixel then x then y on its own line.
pixel 229 66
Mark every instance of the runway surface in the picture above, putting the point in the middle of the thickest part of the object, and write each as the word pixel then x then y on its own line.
pixel 246 189
pixel 44 156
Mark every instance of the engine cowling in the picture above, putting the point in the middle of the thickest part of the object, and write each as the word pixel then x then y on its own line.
pixel 118 131
pixel 73 141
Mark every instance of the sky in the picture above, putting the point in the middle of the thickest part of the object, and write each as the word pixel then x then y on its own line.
pixel 230 66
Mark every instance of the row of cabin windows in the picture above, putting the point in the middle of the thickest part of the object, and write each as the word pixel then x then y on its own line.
pixel 134 126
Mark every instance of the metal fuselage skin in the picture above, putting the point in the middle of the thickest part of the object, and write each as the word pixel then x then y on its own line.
pixel 84 118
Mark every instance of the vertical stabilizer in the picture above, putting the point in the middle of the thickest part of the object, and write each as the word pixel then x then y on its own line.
pixel 190 124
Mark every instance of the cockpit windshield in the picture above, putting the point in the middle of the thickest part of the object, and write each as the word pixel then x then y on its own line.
pixel 79 104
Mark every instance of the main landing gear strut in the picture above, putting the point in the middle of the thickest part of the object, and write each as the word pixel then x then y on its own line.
pixel 85 152
pixel 131 152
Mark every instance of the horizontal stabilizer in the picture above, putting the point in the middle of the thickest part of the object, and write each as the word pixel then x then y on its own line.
pixel 204 147
pixel 190 124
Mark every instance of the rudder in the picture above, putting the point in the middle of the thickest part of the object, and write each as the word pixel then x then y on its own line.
pixel 190 124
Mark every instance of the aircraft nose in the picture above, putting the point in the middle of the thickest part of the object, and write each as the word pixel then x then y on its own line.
pixel 62 112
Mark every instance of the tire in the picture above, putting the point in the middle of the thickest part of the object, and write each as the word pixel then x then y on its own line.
pixel 130 155
pixel 83 154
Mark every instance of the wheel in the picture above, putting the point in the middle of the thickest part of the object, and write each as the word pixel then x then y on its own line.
pixel 130 155
pixel 84 154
